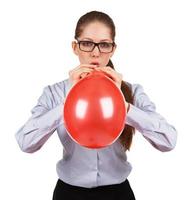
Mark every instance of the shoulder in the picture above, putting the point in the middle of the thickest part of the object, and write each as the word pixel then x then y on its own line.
pixel 140 97
pixel 135 88
pixel 59 88
pixel 55 93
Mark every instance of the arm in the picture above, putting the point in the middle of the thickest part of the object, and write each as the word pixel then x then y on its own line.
pixel 143 116
pixel 40 126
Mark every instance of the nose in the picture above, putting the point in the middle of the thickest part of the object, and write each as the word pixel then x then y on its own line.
pixel 95 52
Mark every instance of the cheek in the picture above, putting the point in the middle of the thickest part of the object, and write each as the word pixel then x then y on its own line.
pixel 83 57
pixel 106 59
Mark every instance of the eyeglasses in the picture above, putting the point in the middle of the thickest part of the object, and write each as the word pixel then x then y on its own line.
pixel 88 46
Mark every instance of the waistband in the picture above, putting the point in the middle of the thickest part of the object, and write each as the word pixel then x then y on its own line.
pixel 103 187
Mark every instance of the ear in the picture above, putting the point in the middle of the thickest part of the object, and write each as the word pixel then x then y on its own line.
pixel 113 50
pixel 74 47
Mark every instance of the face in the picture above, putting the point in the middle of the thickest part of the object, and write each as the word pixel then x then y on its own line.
pixel 95 32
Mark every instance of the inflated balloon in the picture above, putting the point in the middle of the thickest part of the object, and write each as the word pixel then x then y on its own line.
pixel 94 111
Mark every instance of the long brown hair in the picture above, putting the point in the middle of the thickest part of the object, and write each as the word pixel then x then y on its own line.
pixel 128 131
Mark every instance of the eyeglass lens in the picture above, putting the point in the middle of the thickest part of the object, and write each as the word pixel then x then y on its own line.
pixel 88 46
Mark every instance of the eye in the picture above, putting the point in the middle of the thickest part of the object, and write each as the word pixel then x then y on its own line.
pixel 86 43
pixel 105 45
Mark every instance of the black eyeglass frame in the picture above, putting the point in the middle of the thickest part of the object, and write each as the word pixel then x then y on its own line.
pixel 96 44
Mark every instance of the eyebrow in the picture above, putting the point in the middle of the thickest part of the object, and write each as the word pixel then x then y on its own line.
pixel 103 40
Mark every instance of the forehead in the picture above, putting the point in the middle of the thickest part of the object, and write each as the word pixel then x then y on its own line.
pixel 96 31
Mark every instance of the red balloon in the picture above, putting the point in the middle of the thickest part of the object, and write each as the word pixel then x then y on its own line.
pixel 94 111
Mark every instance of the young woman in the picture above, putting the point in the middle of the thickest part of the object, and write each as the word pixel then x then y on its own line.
pixel 94 173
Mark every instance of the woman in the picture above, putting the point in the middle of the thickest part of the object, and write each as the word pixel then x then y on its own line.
pixel 94 173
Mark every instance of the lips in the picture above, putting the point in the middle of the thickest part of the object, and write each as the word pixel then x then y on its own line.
pixel 95 63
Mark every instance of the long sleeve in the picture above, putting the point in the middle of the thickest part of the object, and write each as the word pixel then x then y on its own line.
pixel 40 126
pixel 143 116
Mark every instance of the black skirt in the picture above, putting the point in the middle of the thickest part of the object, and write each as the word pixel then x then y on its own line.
pixel 122 191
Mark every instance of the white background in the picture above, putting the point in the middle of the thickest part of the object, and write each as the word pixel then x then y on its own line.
pixel 153 40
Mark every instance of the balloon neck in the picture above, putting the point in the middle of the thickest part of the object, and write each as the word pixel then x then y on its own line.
pixel 95 72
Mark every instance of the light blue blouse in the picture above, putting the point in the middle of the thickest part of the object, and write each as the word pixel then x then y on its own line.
pixel 86 167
